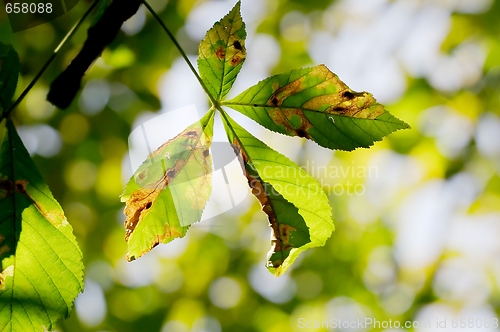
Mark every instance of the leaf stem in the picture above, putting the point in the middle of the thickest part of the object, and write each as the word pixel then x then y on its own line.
pixel 225 117
pixel 183 54
pixel 68 36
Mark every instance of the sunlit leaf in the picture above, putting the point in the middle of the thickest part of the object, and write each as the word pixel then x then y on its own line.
pixel 314 103
pixel 169 191
pixel 41 264
pixel 297 208
pixel 9 71
pixel 222 52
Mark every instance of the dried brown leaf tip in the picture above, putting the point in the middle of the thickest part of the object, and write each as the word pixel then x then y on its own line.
pixel 139 203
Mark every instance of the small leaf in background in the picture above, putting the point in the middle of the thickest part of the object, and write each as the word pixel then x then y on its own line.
pixel 169 191
pixel 314 103
pixel 41 264
pixel 222 52
pixel 297 207
pixel 9 71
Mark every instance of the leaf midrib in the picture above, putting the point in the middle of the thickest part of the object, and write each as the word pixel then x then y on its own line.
pixel 229 104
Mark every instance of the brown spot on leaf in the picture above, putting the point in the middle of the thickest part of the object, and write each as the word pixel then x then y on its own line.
pixel 220 53
pixel 55 217
pixel 142 176
pixel 190 133
pixel 136 206
pixel 21 186
pixel 348 95
pixel 235 60
pixel 6 187
pixel 206 153
pixel 301 133
pixel 342 100
pixel 237 45
pixel 170 173
pixel 4 249
pixel 285 233
pixel 283 118
pixel 279 96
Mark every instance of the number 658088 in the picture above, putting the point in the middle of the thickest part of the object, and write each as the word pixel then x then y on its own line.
pixel 25 8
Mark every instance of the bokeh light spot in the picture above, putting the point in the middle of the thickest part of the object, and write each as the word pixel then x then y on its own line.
pixel 74 128
pixel 80 175
pixel 225 292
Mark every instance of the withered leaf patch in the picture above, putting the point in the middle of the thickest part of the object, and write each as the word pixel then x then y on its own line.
pixel 297 209
pixel 169 191
pixel 289 230
pixel 314 103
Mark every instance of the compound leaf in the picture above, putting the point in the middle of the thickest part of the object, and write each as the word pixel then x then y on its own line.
pixel 41 268
pixel 169 191
pixel 314 103
pixel 9 72
pixel 298 210
pixel 222 52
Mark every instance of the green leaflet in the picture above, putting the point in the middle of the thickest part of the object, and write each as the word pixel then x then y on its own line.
pixel 314 103
pixel 41 264
pixel 9 71
pixel 222 52
pixel 169 191
pixel 289 230
pixel 298 210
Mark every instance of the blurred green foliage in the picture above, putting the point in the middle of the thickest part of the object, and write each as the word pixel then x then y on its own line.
pixel 436 190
